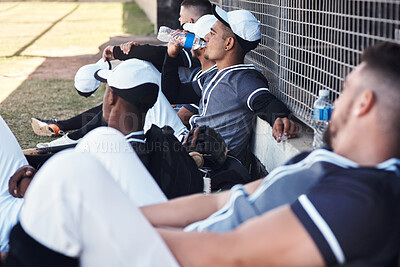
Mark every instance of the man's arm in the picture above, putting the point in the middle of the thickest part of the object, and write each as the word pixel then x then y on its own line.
pixel 183 211
pixel 275 238
pixel 151 53
pixel 19 182
pixel 269 108
pixel 176 91
pixel 184 114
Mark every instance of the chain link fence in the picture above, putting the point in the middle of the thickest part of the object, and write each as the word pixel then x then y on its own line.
pixel 309 45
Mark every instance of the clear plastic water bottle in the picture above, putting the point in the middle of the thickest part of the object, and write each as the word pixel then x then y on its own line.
pixel 188 40
pixel 322 113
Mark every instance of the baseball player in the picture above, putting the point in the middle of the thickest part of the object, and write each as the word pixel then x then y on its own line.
pixel 324 208
pixel 85 84
pixel 231 95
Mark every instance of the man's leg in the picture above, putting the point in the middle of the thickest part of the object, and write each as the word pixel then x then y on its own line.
pixel 110 147
pixel 73 123
pixel 81 119
pixel 11 158
pixel 162 114
pixel 75 208
pixel 96 121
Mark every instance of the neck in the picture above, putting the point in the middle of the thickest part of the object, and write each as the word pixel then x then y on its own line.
pixel 231 59
pixel 206 64
pixel 126 121
pixel 369 148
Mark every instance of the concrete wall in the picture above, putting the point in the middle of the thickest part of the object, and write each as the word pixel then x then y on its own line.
pixel 272 154
pixel 150 8
pixel 161 12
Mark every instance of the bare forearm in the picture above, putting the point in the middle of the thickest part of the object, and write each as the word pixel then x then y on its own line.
pixel 183 211
pixel 196 249
pixel 276 238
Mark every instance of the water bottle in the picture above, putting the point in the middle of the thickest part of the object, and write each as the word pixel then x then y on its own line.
pixel 322 113
pixel 188 40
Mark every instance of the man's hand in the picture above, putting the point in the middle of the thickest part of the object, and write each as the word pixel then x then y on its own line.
pixel 3 256
pixel 126 47
pixel 108 53
pixel 173 49
pixel 284 128
pixel 195 135
pixel 173 45
pixel 20 181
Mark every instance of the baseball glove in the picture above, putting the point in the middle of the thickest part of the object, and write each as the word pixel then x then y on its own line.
pixel 209 144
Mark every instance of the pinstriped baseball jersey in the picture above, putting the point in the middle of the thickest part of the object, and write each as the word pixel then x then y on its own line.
pixel 226 103
pixel 349 211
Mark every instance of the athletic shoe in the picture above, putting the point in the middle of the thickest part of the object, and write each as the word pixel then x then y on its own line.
pixel 64 140
pixel 46 127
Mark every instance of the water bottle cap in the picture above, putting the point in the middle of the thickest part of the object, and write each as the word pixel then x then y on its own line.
pixel 323 93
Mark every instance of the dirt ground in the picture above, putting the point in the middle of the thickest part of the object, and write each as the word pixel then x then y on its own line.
pixel 70 65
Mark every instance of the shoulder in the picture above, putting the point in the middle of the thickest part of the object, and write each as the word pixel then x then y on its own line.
pixel 246 76
pixel 350 205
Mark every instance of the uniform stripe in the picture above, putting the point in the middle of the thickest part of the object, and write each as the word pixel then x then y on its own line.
pixel 224 73
pixel 188 58
pixel 136 140
pixel 225 212
pixel 252 94
pixel 139 134
pixel 392 164
pixel 201 73
pixel 323 228
pixel 315 156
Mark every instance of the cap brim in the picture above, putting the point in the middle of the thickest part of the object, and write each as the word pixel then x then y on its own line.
pixel 221 15
pixel 104 64
pixel 102 75
pixel 189 27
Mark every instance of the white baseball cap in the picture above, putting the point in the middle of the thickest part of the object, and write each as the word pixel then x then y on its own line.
pixel 85 82
pixel 243 24
pixel 134 80
pixel 202 25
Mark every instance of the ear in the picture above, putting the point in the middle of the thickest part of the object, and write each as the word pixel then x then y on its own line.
pixel 229 43
pixel 364 103
pixel 191 20
pixel 111 98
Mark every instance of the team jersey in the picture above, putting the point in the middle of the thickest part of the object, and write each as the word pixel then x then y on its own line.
pixel 227 103
pixel 351 212
pixel 229 99
pixel 196 75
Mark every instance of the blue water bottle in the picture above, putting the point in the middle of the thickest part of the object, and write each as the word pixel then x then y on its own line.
pixel 322 113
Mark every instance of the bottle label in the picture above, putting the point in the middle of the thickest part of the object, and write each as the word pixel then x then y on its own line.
pixel 189 41
pixel 207 185
pixel 323 114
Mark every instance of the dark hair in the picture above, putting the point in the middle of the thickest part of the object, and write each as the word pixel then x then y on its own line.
pixel 203 7
pixel 383 58
pixel 382 66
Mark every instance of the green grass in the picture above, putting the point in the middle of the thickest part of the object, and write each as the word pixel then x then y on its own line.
pixel 50 98
pixel 133 18
pixel 32 31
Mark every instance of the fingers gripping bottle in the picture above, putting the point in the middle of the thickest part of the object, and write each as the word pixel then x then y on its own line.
pixel 322 113
pixel 188 40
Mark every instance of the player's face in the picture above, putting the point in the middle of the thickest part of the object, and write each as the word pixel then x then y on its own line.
pixel 343 108
pixel 215 42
